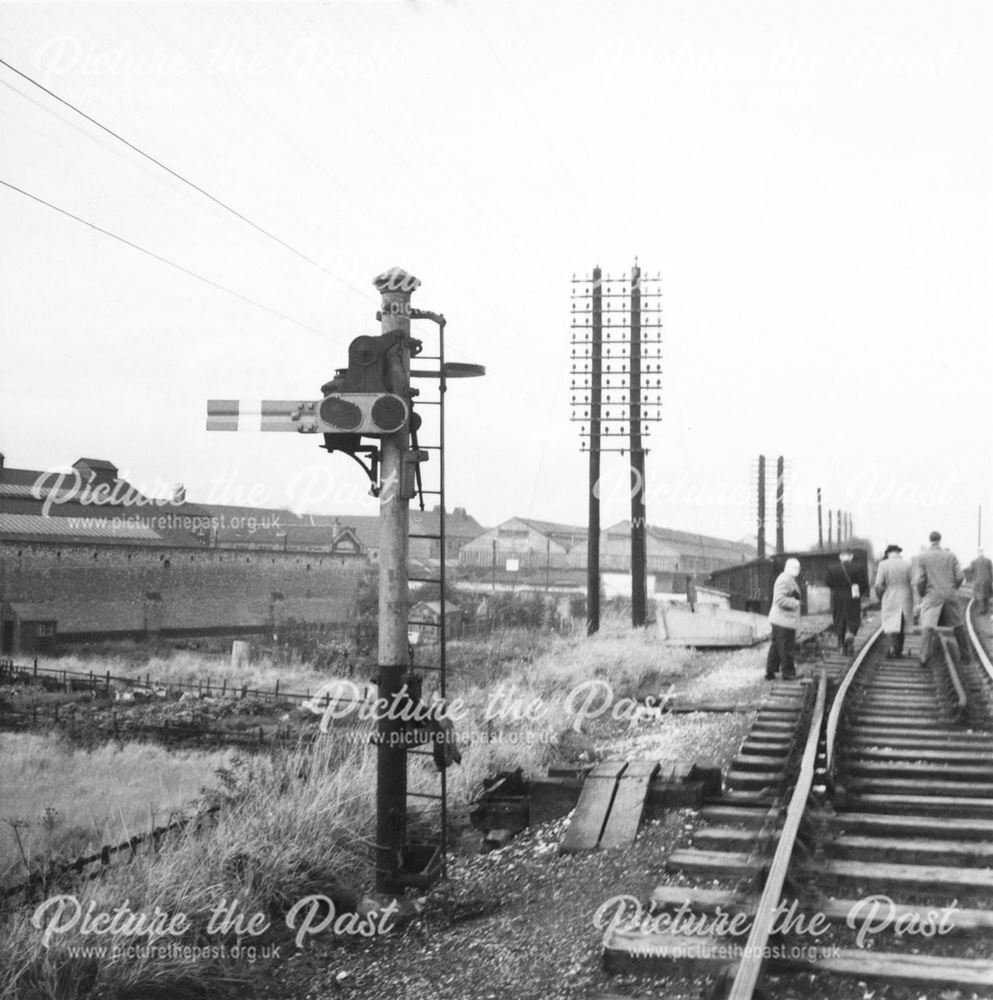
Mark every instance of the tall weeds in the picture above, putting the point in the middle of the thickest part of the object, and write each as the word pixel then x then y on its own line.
pixel 301 823
pixel 291 827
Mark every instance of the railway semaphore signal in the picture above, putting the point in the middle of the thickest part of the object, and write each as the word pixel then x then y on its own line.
pixel 367 412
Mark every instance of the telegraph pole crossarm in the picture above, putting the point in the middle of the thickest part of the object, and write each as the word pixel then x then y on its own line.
pixel 616 379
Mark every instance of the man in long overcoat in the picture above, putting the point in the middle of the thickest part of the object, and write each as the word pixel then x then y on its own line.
pixel 937 577
pixel 981 572
pixel 848 581
pixel 893 588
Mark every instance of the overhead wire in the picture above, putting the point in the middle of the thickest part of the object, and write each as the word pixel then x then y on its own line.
pixel 179 176
pixel 219 202
pixel 285 138
pixel 395 150
pixel 159 257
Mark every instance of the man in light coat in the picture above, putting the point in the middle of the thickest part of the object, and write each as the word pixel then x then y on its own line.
pixel 784 616
pixel 893 588
pixel 981 572
pixel 937 577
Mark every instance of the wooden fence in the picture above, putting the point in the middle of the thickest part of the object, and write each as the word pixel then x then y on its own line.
pixel 91 866
pixel 188 734
pixel 55 679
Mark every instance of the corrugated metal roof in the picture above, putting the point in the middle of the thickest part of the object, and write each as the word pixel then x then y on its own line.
pixel 20 477
pixel 27 490
pixel 71 527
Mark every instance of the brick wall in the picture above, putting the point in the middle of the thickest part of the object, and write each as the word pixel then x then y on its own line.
pixel 103 589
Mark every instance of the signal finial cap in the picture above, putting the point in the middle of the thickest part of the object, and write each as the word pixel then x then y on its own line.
pixel 396 279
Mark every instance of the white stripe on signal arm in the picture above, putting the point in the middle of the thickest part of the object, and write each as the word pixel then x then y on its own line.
pixel 249 414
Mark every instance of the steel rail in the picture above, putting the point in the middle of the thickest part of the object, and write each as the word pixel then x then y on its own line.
pixel 834 717
pixel 961 701
pixel 977 644
pixel 750 967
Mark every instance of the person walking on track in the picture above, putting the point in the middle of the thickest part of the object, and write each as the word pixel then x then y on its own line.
pixel 981 572
pixel 937 578
pixel 784 616
pixel 893 588
pixel 848 582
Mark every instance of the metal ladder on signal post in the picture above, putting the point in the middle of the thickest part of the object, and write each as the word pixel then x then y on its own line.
pixel 433 853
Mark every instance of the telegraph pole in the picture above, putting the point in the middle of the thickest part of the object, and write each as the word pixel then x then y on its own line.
pixel 780 487
pixel 820 522
pixel 760 548
pixel 639 555
pixel 593 528
pixel 616 405
pixel 396 287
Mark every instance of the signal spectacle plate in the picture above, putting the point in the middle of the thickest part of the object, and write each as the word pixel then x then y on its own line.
pixel 340 412
pixel 389 413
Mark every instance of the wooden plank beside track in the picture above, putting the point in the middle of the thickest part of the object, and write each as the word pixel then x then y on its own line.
pixel 595 800
pixel 625 813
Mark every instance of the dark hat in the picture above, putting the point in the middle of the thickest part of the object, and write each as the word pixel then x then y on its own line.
pixel 891 548
pixel 935 536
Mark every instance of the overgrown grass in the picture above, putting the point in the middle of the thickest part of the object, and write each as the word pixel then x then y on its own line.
pixel 57 801
pixel 539 671
pixel 292 827
pixel 185 667
pixel 298 825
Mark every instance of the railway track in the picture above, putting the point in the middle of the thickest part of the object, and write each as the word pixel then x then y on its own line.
pixel 854 840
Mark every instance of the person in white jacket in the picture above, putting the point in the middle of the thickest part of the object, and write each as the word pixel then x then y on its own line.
pixel 784 616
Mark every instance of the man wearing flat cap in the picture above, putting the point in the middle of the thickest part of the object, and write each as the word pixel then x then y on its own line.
pixel 937 577
pixel 893 588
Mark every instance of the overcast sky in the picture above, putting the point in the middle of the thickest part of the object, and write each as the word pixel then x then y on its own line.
pixel 812 181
